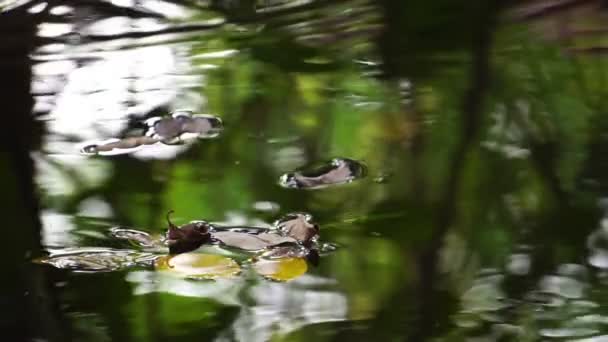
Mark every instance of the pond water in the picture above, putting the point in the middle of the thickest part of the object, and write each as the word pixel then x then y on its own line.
pixel 446 167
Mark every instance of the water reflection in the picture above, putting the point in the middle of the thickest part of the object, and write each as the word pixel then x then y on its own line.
pixel 272 308
pixel 478 222
pixel 560 306
pixel 280 309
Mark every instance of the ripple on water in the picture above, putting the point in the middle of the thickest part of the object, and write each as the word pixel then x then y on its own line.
pixel 565 287
pixel 560 304
pixel 567 332
pixel 336 171
pixel 597 243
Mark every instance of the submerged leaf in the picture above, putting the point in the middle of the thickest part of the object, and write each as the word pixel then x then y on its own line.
pixel 96 259
pixel 199 266
pixel 281 269
pixel 337 171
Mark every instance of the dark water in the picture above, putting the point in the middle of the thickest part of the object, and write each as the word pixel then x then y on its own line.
pixel 452 155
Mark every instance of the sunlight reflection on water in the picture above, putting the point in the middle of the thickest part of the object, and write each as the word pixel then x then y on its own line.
pixel 278 307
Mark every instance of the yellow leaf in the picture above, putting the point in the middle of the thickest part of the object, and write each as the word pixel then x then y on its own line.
pixel 283 269
pixel 199 266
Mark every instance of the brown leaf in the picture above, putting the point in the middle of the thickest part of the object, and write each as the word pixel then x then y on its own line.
pixel 251 242
pixel 298 226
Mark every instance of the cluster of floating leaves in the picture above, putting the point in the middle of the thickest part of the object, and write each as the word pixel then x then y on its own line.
pixel 179 128
pixel 280 253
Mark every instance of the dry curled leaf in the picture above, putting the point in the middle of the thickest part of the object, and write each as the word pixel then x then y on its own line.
pixel 188 237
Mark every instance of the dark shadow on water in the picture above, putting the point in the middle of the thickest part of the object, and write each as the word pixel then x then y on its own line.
pixel 29 304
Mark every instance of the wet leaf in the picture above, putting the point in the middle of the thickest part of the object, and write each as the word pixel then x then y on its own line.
pixel 96 259
pixel 281 269
pixel 250 242
pixel 182 126
pixel 176 129
pixel 188 237
pixel 292 250
pixel 206 126
pixel 286 250
pixel 136 237
pixel 164 128
pixel 298 226
pixel 118 146
pixel 199 266
pixel 337 171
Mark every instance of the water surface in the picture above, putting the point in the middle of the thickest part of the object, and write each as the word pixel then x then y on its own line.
pixel 454 160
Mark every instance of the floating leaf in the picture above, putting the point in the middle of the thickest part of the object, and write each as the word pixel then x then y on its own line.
pixel 96 259
pixel 205 126
pixel 118 146
pixel 164 128
pixel 281 269
pixel 337 171
pixel 182 126
pixel 286 250
pixel 188 237
pixel 199 266
pixel 176 129
pixel 298 226
pixel 136 237
pixel 250 242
